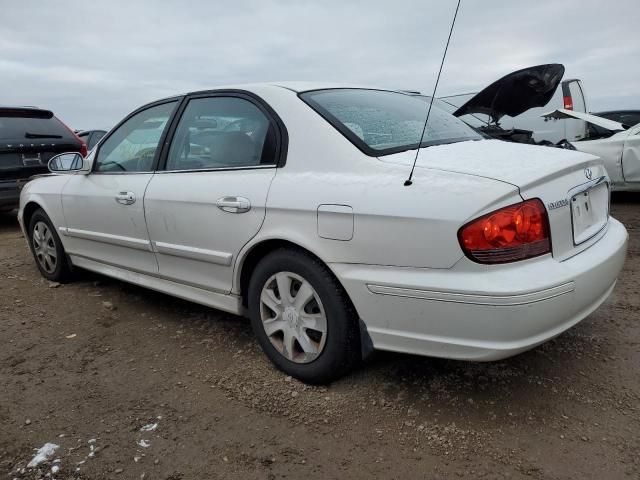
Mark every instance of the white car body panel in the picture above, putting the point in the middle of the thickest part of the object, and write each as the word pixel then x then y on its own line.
pixel 393 248
pixel 99 228
pixel 561 113
pixel 620 152
pixel 185 222
pixel 496 312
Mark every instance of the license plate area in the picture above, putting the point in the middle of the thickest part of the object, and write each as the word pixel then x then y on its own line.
pixel 31 159
pixel 589 212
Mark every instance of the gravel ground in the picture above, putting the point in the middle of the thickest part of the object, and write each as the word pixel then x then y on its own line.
pixel 130 383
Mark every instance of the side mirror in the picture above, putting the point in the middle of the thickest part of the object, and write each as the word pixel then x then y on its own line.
pixel 66 162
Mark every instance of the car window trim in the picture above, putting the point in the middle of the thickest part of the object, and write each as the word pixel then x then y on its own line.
pixel 179 100
pixel 282 136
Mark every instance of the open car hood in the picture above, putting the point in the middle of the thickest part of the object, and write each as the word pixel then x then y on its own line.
pixel 516 93
pixel 593 119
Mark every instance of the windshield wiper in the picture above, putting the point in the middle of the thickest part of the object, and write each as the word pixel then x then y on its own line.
pixel 40 135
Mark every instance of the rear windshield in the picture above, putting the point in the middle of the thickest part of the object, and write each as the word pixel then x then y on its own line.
pixel 382 122
pixel 31 129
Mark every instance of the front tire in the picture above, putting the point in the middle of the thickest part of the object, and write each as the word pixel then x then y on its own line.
pixel 47 248
pixel 302 317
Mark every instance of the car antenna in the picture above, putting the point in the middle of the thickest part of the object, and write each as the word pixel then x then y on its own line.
pixel 433 95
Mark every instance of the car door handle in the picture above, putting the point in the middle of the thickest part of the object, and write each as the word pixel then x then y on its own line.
pixel 234 204
pixel 126 198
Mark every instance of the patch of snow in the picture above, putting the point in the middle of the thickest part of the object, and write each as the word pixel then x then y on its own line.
pixel 149 428
pixel 144 444
pixel 43 454
pixel 55 469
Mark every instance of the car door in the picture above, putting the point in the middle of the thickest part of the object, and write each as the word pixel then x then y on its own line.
pixel 631 156
pixel 208 200
pixel 104 210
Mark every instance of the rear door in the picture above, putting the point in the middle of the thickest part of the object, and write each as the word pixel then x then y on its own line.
pixel 209 199
pixel 104 210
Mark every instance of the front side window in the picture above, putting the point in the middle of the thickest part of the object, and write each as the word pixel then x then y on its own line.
pixel 221 132
pixel 383 122
pixel 132 147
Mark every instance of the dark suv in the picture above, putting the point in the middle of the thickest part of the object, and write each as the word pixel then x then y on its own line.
pixel 29 137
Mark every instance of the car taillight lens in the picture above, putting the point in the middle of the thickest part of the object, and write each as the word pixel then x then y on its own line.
pixel 512 233
pixel 568 103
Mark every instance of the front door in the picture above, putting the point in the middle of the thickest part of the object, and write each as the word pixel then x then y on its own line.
pixel 209 198
pixel 104 210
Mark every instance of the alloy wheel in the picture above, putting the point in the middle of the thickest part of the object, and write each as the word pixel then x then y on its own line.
pixel 44 247
pixel 293 317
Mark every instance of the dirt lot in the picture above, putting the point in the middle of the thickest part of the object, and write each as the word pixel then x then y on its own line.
pixel 88 365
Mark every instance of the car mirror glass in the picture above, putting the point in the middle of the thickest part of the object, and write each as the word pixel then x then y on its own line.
pixel 66 162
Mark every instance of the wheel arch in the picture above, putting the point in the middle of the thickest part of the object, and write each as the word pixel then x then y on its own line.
pixel 257 251
pixel 28 211
pixel 252 256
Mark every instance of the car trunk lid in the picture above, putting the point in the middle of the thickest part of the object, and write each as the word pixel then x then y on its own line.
pixel 516 92
pixel 558 177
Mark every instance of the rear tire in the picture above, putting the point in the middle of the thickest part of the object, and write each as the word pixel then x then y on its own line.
pixel 315 318
pixel 47 249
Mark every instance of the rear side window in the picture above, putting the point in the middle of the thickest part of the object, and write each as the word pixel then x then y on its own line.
pixel 30 128
pixel 383 122
pixel 222 132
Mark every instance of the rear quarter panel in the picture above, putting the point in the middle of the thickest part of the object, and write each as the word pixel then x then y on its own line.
pixel 393 224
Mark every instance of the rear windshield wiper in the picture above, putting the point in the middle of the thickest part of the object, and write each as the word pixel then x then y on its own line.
pixel 41 135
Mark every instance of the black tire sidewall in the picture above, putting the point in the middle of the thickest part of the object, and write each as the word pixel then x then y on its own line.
pixel 337 356
pixel 61 271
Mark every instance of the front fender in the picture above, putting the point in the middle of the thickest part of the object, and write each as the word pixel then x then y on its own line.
pixel 46 193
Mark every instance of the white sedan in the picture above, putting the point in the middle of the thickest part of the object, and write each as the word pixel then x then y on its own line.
pixel 617 145
pixel 288 203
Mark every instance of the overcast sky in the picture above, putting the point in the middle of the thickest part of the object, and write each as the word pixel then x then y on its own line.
pixel 93 62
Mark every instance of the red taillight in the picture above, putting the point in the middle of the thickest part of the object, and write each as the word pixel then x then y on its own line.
pixel 568 102
pixel 512 233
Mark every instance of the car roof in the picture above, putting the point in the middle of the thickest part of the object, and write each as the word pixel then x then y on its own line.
pixel 294 86
pixel 26 110
pixel 22 107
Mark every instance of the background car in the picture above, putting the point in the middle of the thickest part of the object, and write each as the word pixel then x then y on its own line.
pixel 29 137
pixel 616 144
pixel 91 137
pixel 289 203
pixel 628 118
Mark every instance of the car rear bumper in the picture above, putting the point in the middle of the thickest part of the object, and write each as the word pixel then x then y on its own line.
pixel 483 313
